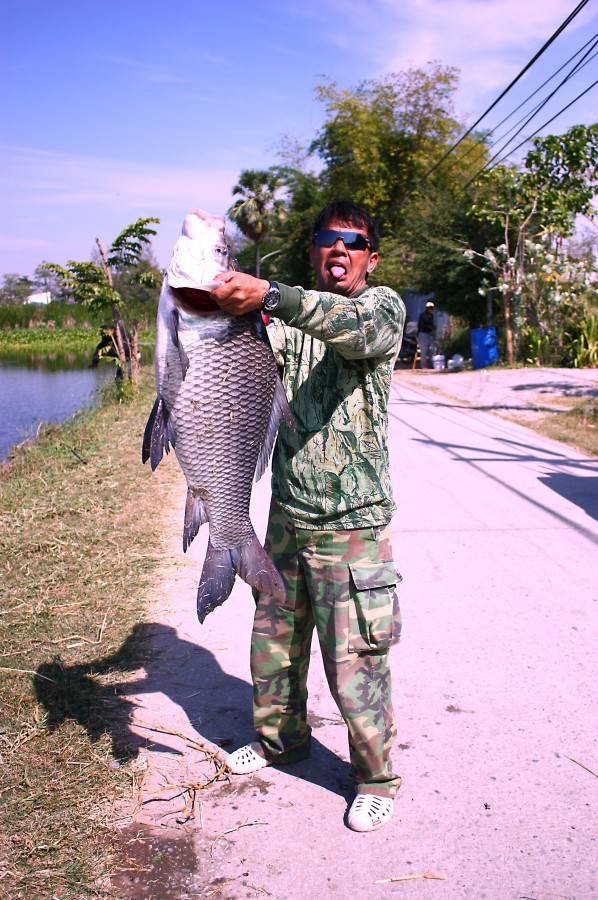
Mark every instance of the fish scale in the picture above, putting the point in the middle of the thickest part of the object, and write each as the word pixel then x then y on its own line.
pixel 236 388
pixel 219 406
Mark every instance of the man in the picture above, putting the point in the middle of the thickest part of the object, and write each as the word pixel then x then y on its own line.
pixel 328 531
pixel 426 331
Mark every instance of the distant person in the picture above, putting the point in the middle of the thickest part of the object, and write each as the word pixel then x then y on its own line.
pixel 426 332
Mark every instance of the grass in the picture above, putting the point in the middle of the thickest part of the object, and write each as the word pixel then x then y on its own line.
pixel 59 340
pixel 79 541
pixel 577 427
pixel 41 340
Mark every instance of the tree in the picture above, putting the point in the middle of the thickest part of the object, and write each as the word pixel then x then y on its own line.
pixel 378 143
pixel 15 290
pixel 93 285
pixel 379 139
pixel 258 210
pixel 535 205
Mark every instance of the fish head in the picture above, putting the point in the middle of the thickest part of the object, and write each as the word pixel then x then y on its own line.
pixel 200 253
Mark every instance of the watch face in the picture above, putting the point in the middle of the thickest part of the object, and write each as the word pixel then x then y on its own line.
pixel 271 298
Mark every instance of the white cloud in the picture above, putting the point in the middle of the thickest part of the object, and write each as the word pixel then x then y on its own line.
pixel 488 40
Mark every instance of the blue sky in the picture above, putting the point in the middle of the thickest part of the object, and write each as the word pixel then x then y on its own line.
pixel 110 111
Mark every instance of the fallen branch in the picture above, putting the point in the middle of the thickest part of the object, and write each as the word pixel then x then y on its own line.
pixel 576 761
pixel 230 831
pixel 209 752
pixel 82 640
pixel 411 877
pixel 244 825
pixel 28 672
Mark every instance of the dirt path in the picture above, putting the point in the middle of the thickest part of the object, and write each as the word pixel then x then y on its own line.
pixel 489 800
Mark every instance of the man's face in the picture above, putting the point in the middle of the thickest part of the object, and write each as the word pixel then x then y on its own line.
pixel 341 270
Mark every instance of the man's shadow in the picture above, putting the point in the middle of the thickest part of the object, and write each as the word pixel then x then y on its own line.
pixel 217 705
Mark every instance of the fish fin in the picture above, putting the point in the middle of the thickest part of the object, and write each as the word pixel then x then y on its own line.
pixel 250 562
pixel 216 582
pixel 281 412
pixel 159 435
pixel 195 516
pixel 256 568
pixel 173 331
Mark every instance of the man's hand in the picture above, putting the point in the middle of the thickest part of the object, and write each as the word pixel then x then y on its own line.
pixel 239 293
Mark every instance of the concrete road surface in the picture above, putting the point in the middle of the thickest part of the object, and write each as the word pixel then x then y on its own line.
pixel 494 690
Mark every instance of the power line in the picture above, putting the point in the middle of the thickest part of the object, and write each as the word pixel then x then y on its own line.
pixel 578 68
pixel 535 112
pixel 527 139
pixel 542 50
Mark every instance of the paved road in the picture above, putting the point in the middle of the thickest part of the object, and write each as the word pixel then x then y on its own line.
pixel 494 686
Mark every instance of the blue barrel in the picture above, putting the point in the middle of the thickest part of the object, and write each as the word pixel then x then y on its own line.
pixel 484 347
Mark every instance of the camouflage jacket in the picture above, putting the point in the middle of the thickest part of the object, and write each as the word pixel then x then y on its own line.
pixel 337 355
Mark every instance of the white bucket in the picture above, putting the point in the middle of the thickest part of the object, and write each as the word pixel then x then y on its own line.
pixel 438 361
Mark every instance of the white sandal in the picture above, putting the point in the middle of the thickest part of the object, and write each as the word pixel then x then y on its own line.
pixel 369 812
pixel 246 759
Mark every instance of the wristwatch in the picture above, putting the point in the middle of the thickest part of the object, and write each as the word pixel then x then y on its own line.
pixel 271 298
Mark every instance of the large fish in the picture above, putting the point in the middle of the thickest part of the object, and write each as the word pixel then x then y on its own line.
pixel 219 406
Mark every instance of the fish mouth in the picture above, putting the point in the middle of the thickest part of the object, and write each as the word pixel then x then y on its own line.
pixel 194 300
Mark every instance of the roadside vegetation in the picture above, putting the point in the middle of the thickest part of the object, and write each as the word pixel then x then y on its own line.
pixel 79 541
pixel 577 427
pixel 43 341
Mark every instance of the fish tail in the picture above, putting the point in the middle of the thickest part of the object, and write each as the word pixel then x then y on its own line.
pixel 256 568
pixel 250 562
pixel 216 582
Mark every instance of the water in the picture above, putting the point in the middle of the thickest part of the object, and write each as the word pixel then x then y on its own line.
pixel 43 391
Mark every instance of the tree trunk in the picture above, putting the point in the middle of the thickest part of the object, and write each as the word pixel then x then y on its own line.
pixel 507 306
pixel 135 357
pixel 257 259
pixel 125 360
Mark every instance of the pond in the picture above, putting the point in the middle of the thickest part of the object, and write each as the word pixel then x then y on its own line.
pixel 34 390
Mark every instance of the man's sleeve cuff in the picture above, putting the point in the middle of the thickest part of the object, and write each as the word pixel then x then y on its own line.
pixel 290 302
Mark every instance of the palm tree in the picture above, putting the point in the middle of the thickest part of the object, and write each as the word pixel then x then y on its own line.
pixel 258 210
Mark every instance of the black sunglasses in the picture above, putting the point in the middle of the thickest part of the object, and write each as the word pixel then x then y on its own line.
pixel 353 240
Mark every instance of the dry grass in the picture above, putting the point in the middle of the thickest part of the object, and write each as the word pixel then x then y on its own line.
pixel 577 427
pixel 79 540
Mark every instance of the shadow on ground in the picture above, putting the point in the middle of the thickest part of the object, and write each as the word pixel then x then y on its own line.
pixel 218 705
pixel 581 491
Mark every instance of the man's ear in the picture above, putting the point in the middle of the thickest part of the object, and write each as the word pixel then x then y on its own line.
pixel 372 262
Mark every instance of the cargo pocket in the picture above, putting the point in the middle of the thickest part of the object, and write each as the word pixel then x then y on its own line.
pixel 374 617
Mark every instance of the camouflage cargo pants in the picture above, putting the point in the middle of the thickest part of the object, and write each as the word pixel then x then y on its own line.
pixel 343 583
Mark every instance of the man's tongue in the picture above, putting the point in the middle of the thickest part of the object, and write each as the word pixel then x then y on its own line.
pixel 337 271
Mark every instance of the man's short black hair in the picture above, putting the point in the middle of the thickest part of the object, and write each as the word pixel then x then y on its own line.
pixel 349 213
